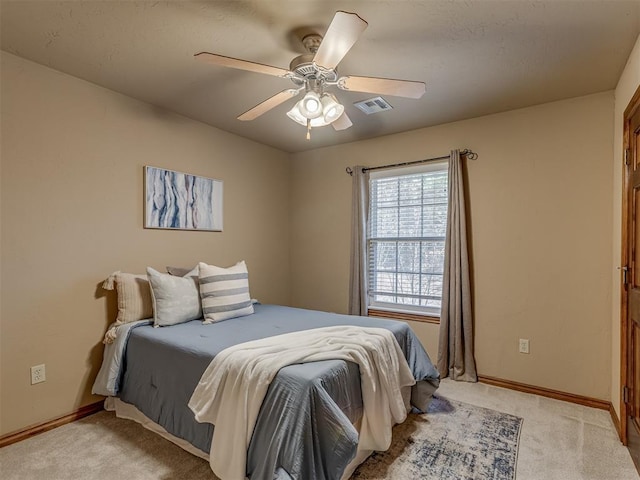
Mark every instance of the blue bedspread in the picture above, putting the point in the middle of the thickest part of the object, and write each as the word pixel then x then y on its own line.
pixel 305 426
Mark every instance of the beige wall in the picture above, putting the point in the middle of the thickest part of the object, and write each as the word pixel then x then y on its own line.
pixel 72 174
pixel 541 220
pixel 627 86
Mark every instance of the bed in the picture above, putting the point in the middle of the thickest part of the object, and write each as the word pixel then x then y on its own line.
pixel 307 427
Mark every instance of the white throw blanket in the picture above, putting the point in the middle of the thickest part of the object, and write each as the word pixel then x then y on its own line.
pixel 234 385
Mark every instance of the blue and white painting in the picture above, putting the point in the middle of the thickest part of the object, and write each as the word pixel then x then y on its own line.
pixel 181 201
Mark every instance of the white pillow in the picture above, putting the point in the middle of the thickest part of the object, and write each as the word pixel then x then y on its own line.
pixel 175 299
pixel 224 292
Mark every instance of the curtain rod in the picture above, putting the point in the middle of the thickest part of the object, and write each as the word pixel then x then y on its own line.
pixel 471 155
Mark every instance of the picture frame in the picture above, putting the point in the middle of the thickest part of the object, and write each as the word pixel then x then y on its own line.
pixel 181 201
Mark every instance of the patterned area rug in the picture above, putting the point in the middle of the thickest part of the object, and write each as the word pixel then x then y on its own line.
pixel 454 441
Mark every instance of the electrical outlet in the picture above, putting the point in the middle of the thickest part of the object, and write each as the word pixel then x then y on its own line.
pixel 37 374
pixel 524 345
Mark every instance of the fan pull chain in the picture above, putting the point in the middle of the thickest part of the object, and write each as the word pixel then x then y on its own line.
pixel 308 129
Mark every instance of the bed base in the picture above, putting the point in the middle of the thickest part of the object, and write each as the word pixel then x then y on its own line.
pixel 128 411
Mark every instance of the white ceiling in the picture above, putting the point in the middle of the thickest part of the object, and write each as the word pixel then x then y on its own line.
pixel 477 57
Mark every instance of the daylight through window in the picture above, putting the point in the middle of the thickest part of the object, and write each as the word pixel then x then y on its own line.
pixel 407 227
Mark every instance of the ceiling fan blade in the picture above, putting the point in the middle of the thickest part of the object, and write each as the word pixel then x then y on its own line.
pixel 383 86
pixel 343 32
pixel 342 123
pixel 268 104
pixel 241 64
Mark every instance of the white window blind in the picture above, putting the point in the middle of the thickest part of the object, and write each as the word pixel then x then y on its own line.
pixel 407 228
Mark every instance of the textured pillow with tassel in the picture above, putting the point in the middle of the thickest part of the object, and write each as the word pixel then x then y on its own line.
pixel 134 296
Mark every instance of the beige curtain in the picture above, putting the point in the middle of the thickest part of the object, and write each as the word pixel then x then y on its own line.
pixel 359 219
pixel 455 350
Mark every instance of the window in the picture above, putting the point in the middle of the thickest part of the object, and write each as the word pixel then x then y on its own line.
pixel 405 242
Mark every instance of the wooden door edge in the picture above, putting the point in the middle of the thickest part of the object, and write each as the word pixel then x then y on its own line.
pixel 631 109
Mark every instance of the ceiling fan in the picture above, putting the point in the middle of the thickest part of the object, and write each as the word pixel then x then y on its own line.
pixel 315 71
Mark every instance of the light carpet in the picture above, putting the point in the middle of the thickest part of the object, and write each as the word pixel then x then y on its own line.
pixel 558 441
pixel 452 441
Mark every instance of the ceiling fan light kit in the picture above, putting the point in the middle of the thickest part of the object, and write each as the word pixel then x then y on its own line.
pixel 328 110
pixel 316 70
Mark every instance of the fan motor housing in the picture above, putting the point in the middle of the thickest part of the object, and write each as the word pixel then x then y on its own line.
pixel 305 69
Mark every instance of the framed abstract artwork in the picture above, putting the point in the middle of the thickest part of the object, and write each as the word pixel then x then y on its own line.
pixel 179 201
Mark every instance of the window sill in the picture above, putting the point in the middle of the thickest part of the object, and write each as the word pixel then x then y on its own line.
pixel 403 316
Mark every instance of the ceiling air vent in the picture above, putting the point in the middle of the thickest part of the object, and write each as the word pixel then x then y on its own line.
pixel 373 105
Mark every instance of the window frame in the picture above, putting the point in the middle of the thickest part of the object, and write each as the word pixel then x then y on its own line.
pixel 393 310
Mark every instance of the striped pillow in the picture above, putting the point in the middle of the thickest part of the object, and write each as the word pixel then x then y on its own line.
pixel 224 292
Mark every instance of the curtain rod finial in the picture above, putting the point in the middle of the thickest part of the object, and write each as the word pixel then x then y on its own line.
pixel 470 154
pixel 349 171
